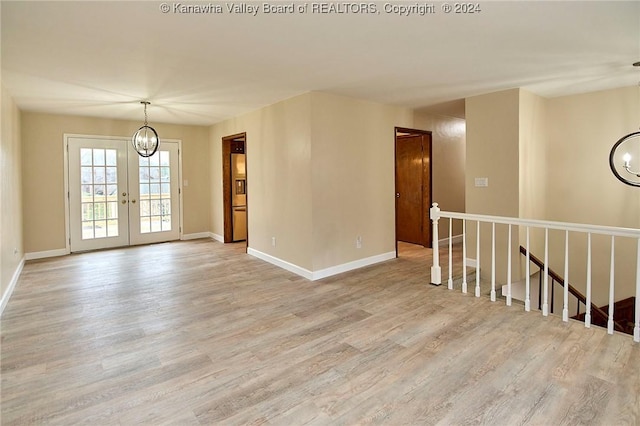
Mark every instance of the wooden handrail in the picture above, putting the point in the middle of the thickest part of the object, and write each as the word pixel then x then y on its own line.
pixel 582 298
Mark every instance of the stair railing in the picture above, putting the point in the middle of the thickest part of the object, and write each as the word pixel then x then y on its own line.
pixel 436 271
pixel 580 298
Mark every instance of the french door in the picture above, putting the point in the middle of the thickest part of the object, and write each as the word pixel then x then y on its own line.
pixel 117 198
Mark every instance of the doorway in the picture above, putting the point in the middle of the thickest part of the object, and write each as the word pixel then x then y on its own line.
pixel 413 184
pixel 234 186
pixel 117 198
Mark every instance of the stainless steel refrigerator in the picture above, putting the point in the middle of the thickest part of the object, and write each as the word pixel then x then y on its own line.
pixel 239 196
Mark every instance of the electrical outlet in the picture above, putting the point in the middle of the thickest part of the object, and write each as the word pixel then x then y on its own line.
pixel 273 241
pixel 358 241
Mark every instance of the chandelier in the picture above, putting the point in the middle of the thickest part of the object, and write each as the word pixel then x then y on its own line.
pixel 621 159
pixel 624 158
pixel 145 140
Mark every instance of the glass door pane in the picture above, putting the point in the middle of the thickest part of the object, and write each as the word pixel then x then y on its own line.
pixel 155 192
pixel 97 193
pixel 155 215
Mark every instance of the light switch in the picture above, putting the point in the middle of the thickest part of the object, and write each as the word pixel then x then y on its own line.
pixel 482 182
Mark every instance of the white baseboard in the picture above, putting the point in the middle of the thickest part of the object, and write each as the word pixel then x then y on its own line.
pixel 323 273
pixel 350 266
pixel 196 236
pixel 199 235
pixel 281 263
pixel 48 253
pixel 454 240
pixel 12 285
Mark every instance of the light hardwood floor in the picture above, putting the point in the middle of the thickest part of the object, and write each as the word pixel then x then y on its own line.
pixel 200 333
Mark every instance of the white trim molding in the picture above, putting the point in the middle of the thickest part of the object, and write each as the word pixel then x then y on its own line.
pixel 12 285
pixel 196 236
pixel 305 273
pixel 350 266
pixel 45 254
pixel 322 273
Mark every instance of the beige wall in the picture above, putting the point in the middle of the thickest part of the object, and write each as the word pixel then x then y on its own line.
pixel 532 152
pixel 548 159
pixel 581 188
pixel 279 191
pixel 493 152
pixel 448 136
pixel 320 173
pixel 533 172
pixel 353 180
pixel 43 169
pixel 11 243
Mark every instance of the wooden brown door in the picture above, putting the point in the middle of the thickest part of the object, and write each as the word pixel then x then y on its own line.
pixel 413 188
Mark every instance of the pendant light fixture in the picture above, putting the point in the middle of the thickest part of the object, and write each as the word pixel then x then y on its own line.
pixel 145 141
pixel 624 158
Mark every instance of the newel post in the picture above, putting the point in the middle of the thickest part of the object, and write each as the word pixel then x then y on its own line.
pixel 436 272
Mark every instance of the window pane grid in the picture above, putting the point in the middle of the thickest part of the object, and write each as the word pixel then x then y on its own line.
pixel 155 193
pixel 99 193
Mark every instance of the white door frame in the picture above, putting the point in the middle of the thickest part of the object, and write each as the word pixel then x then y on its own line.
pixel 127 139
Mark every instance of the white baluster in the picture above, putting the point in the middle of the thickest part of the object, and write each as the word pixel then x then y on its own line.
pixel 509 269
pixel 565 292
pixel 436 272
pixel 611 283
pixel 478 259
pixel 450 281
pixel 527 280
pixel 636 326
pixel 493 262
pixel 545 302
pixel 464 255
pixel 587 314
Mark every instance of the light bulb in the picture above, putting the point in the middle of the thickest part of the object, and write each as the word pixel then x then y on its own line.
pixel 627 159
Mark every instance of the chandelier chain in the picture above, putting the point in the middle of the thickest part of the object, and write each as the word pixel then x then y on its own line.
pixel 145 112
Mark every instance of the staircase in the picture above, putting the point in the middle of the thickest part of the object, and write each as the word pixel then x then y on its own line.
pixel 622 316
pixel 625 312
pixel 624 309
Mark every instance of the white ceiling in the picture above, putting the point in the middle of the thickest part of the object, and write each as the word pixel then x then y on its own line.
pixel 100 58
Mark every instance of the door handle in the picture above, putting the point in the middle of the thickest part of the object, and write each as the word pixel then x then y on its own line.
pixel 133 201
pixel 124 201
pixel 397 195
pixel 124 194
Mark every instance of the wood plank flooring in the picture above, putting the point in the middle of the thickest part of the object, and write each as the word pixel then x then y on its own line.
pixel 200 333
